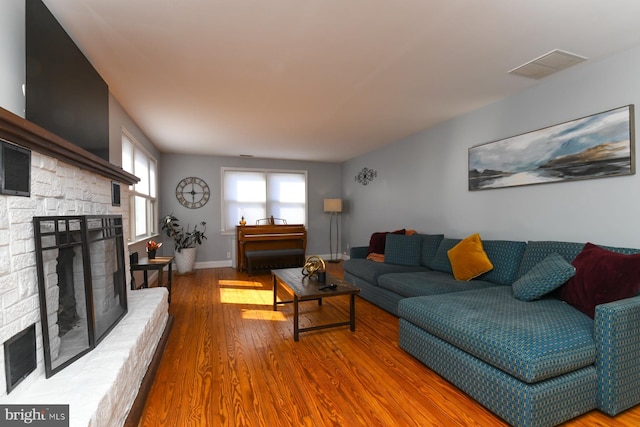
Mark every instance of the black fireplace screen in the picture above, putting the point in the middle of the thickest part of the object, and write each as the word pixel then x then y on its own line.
pixel 81 280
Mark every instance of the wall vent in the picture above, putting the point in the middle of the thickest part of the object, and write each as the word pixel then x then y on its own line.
pixel 20 356
pixel 547 64
pixel 15 170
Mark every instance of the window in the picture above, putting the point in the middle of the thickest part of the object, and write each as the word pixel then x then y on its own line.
pixel 259 193
pixel 143 197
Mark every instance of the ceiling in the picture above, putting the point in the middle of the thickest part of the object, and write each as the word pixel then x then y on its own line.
pixel 324 80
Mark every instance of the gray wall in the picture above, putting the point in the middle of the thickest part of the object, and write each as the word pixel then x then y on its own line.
pixel 422 180
pixel 119 119
pixel 12 46
pixel 324 180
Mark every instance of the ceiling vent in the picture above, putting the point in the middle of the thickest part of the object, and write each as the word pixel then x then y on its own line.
pixel 547 64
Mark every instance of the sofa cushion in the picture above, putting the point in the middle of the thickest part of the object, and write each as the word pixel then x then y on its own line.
pixel 468 258
pixel 536 251
pixel 403 250
pixel 527 340
pixel 548 275
pixel 358 251
pixel 440 260
pixel 427 283
pixel 505 255
pixel 430 244
pixel 370 270
pixel 378 240
pixel 601 276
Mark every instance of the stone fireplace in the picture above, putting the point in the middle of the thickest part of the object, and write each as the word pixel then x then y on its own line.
pixel 69 182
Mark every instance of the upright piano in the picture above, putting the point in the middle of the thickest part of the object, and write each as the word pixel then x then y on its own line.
pixel 273 245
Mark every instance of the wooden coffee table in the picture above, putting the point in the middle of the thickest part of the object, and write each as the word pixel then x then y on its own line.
pixel 306 289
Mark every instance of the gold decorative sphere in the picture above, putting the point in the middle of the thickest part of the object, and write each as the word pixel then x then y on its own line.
pixel 312 266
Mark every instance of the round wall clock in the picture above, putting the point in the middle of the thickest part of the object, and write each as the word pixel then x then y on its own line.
pixel 192 192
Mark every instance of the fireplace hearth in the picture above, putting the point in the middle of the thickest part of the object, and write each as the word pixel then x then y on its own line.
pixel 81 281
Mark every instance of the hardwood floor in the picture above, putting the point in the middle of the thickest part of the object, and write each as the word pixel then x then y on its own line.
pixel 231 361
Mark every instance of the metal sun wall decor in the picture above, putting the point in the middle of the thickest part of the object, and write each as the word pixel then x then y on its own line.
pixel 365 176
pixel 597 146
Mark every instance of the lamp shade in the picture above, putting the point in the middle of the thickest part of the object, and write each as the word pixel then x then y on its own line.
pixel 333 205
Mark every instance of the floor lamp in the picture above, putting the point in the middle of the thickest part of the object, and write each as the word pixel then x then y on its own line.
pixel 333 206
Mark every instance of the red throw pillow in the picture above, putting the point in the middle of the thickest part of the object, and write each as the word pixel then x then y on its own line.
pixel 601 276
pixel 377 241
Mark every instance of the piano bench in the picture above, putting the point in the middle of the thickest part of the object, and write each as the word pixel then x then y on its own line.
pixel 253 256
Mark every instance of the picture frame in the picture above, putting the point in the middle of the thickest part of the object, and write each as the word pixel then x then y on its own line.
pixel 597 146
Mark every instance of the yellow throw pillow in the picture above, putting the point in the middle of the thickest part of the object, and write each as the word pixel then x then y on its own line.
pixel 468 258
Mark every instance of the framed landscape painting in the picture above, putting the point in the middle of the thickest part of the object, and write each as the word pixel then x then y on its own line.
pixel 601 145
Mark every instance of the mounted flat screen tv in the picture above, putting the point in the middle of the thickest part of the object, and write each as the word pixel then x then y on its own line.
pixel 64 93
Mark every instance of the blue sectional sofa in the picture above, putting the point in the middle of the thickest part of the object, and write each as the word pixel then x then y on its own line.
pixel 533 363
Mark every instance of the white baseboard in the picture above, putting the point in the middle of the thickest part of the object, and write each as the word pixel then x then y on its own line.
pixel 229 263
pixel 213 264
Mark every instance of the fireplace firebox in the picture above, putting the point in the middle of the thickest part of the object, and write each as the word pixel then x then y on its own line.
pixel 81 281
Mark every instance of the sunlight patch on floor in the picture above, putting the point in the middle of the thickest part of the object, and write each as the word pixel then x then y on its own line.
pixel 277 316
pixel 240 283
pixel 246 296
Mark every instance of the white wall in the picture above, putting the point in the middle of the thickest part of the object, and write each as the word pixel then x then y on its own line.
pixel 12 46
pixel 422 179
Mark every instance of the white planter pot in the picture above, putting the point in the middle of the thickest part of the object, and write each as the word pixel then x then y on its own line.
pixel 185 260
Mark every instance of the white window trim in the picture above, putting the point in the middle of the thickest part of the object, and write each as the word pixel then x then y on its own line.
pixel 152 221
pixel 262 170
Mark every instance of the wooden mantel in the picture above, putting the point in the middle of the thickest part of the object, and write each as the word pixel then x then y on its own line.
pixel 22 132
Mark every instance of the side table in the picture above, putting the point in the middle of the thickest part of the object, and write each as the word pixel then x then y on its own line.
pixel 146 264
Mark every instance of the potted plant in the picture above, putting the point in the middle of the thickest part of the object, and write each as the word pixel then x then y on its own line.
pixel 152 247
pixel 185 241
